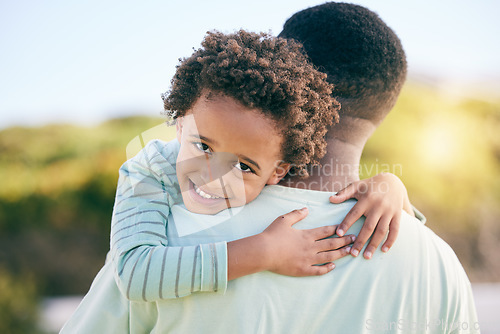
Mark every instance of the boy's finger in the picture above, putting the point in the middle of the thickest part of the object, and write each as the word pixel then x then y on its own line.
pixel 365 233
pixel 319 270
pixel 319 233
pixel 393 234
pixel 333 255
pixel 352 216
pixel 378 236
pixel 294 216
pixel 344 194
pixel 331 244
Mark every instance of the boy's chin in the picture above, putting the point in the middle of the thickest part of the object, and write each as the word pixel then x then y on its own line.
pixel 204 210
pixel 212 207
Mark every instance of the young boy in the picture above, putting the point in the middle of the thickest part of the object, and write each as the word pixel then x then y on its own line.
pixel 249 110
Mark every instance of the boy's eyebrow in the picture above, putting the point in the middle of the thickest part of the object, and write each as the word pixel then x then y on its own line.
pixel 244 157
pixel 240 156
pixel 208 140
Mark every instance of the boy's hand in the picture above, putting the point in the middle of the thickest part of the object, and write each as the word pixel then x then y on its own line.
pixel 380 200
pixel 295 252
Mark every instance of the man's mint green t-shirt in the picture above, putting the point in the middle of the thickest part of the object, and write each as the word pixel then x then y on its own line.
pixel 419 286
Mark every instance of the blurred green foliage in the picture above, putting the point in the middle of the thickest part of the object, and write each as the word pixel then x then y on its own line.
pixel 59 182
pixel 18 304
pixel 56 199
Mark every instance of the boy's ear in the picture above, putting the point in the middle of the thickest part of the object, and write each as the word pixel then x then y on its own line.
pixel 279 173
pixel 178 128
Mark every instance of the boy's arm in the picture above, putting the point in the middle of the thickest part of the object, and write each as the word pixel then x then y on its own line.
pixel 148 269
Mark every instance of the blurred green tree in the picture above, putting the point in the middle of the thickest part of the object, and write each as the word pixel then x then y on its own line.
pixel 18 304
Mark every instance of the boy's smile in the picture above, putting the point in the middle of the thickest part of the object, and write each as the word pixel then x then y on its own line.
pixel 228 154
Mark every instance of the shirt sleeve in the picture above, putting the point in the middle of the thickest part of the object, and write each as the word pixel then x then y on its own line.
pixel 146 268
pixel 419 215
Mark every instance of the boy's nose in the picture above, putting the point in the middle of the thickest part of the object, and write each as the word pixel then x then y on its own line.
pixel 217 165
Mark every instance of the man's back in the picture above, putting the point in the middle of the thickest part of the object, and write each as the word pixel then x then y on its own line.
pixel 418 286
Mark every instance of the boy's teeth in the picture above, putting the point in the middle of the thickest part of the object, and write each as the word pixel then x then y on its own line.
pixel 204 194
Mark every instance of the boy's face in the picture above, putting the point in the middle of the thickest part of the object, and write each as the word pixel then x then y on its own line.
pixel 228 154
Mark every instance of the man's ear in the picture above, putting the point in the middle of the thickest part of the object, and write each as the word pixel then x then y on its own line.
pixel 279 173
pixel 178 128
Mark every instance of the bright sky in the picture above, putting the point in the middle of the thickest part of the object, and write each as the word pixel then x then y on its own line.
pixel 86 61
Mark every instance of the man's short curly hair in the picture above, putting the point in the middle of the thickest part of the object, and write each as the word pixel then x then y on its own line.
pixel 264 72
pixel 358 52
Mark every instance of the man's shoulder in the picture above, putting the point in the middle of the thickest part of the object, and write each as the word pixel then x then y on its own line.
pixel 419 280
pixel 417 248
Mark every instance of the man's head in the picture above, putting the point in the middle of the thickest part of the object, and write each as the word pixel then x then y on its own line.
pixel 360 54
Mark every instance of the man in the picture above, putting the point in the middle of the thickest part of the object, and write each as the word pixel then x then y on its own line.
pixel 418 286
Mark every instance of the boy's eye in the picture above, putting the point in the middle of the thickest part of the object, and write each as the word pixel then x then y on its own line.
pixel 244 167
pixel 202 147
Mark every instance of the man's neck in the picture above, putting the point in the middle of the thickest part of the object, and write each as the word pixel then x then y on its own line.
pixel 340 166
pixel 335 172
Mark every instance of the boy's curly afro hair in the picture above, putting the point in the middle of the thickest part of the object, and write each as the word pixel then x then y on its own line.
pixel 264 72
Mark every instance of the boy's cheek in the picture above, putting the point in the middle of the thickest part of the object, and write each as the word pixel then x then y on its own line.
pixel 252 191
